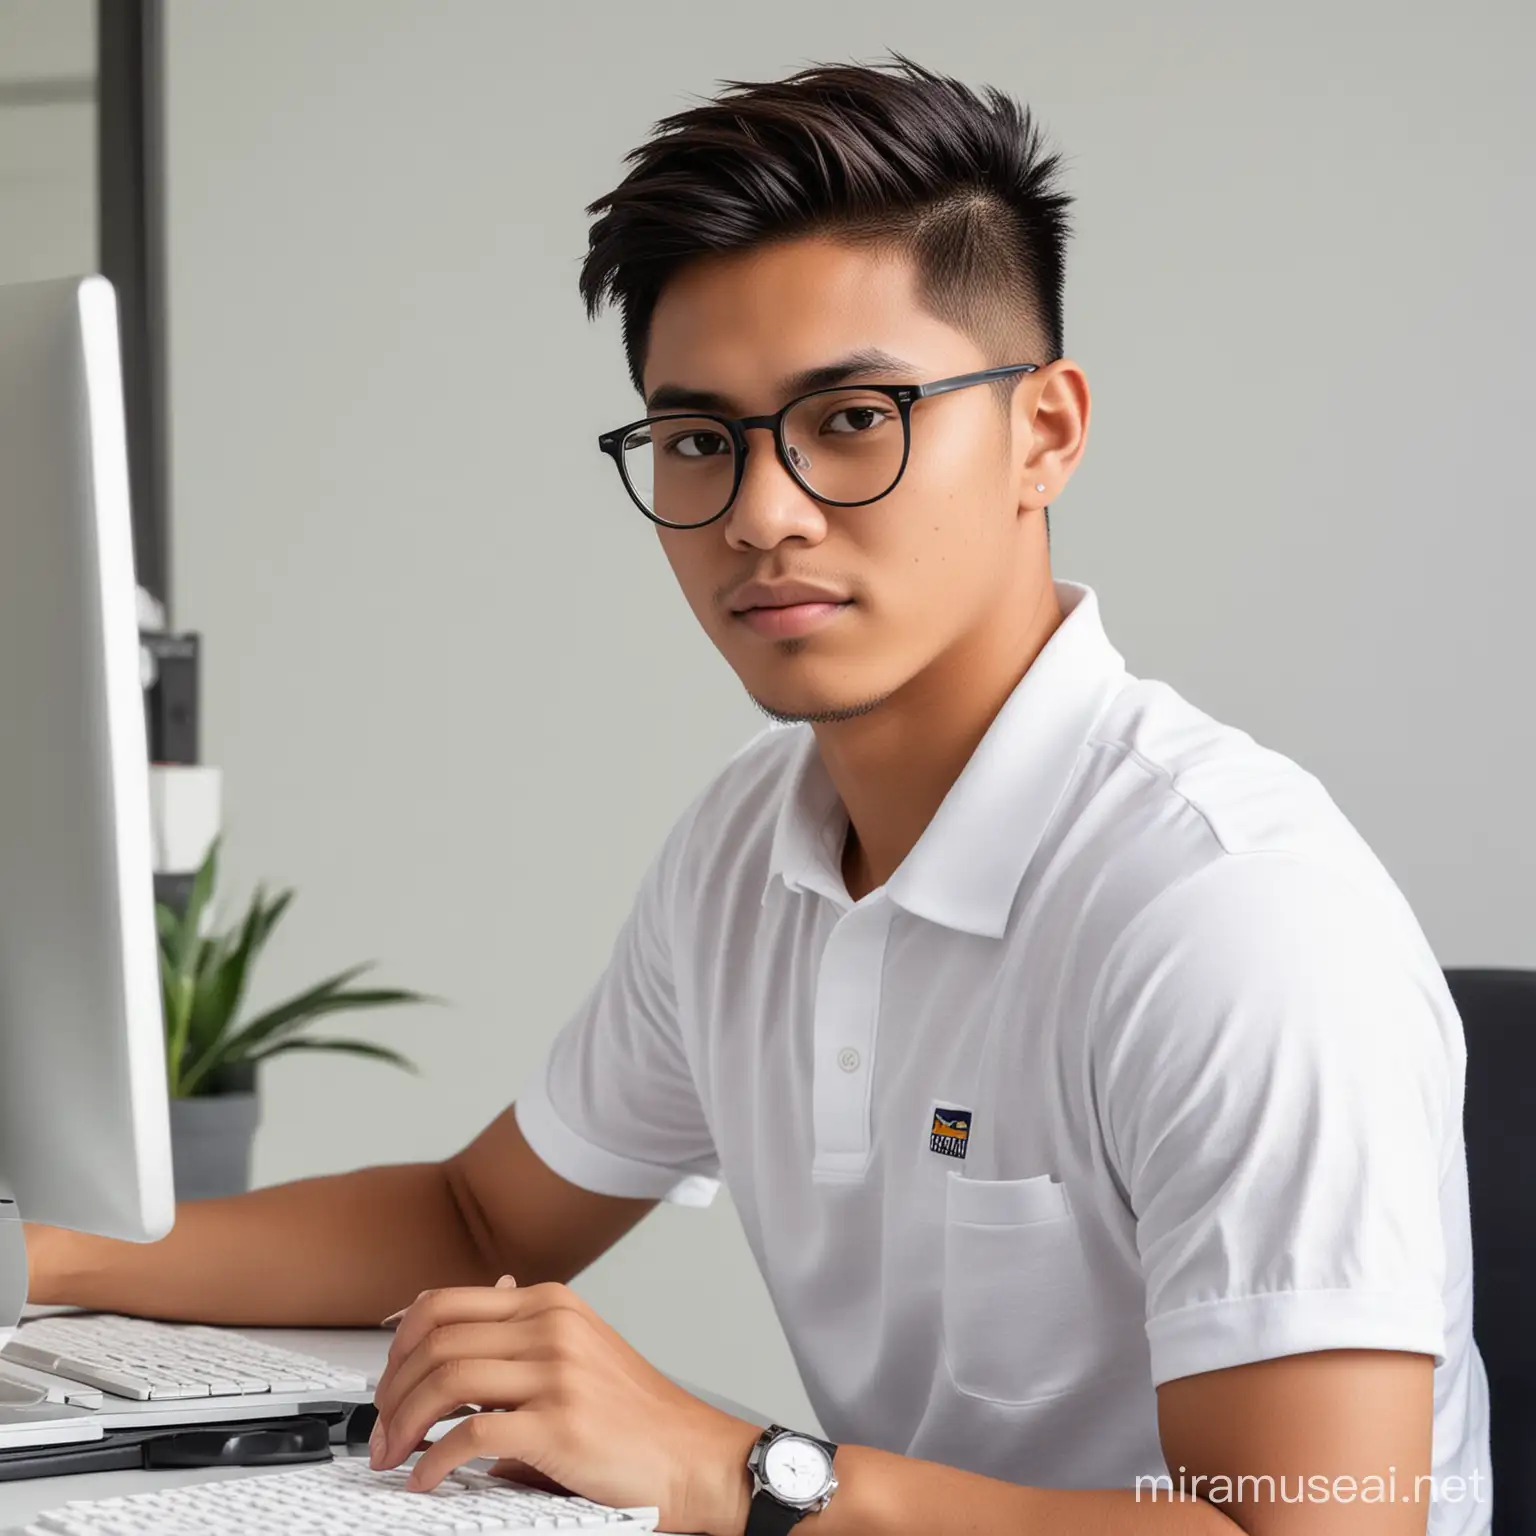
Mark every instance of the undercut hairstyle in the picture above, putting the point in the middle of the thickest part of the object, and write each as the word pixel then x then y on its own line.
pixel 890 155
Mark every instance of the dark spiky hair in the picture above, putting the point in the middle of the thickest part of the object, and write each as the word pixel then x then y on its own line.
pixel 885 154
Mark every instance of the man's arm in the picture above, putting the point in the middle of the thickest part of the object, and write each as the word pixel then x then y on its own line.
pixel 1335 1443
pixel 1332 1443
pixel 346 1249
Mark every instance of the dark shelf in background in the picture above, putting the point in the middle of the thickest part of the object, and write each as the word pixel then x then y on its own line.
pixel 131 204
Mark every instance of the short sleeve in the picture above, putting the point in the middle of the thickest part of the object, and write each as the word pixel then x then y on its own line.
pixel 614 1107
pixel 1281 1094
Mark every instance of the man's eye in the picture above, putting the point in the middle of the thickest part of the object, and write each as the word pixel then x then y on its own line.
pixel 855 418
pixel 698 445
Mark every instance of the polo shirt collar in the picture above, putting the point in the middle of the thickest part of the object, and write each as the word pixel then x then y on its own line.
pixel 965 870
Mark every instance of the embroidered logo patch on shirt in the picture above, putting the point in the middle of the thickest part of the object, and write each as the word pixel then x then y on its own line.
pixel 951 1130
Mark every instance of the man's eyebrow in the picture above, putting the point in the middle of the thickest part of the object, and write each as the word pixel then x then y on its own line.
pixel 856 365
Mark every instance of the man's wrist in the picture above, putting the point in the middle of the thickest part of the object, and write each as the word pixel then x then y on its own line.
pixel 725 1506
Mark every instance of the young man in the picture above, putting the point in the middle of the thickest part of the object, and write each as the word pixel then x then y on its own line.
pixel 1088 1092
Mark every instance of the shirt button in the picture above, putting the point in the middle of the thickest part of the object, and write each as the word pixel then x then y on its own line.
pixel 848 1059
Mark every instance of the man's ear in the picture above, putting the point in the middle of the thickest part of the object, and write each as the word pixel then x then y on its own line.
pixel 1050 414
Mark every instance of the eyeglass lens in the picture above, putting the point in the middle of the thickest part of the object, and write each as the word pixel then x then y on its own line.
pixel 846 446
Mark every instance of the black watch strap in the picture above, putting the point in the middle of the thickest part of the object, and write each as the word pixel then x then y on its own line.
pixel 768 1516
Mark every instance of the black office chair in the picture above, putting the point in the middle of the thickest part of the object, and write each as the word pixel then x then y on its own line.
pixel 1498 1014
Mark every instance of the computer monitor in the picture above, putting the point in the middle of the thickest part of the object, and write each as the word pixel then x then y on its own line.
pixel 84 1122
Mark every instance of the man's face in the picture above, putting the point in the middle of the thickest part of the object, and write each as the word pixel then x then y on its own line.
pixel 922 569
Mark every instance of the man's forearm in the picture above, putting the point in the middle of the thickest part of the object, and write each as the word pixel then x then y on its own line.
pixel 343 1250
pixel 882 1494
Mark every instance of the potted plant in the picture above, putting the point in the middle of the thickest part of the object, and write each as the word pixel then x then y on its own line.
pixel 212 1054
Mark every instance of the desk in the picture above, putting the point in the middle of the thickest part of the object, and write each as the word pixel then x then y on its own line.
pixel 361 1349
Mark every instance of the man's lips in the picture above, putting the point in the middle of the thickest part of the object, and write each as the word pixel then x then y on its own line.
pixel 789 620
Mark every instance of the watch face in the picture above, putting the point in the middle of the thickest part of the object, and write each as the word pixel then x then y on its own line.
pixel 798 1471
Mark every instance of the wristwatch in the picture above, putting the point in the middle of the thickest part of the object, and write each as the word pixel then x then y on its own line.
pixel 792 1477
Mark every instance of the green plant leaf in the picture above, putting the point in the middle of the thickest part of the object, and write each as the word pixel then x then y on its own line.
pixel 269 920
pixel 210 955
pixel 329 996
pixel 188 956
pixel 167 991
pixel 351 1047
pixel 191 920
pixel 220 999
pixel 285 1015
pixel 221 987
pixel 209 1010
pixel 168 925
pixel 178 1013
pixel 203 982
pixel 184 957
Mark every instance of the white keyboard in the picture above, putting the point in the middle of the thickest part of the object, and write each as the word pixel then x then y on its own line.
pixel 135 1357
pixel 336 1498
pixel 20 1384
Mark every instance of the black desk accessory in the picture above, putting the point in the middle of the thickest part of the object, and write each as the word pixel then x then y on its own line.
pixel 239 1443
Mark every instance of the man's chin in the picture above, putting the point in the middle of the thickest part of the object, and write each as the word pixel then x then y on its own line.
pixel 815 711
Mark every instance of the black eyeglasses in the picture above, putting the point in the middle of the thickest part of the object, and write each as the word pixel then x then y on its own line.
pixel 846 446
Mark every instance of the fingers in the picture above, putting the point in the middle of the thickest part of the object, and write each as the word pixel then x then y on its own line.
pixel 454 1297
pixel 471 1303
pixel 491 1383
pixel 518 1340
pixel 464 1303
pixel 392 1321
pixel 453 1413
pixel 514 1436
pixel 443 1331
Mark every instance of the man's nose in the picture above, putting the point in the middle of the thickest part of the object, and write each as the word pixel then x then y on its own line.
pixel 771 505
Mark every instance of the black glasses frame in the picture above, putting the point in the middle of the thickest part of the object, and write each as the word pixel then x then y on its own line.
pixel 903 396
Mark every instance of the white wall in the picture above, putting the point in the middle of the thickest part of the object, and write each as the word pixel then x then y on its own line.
pixel 47 139
pixel 456 694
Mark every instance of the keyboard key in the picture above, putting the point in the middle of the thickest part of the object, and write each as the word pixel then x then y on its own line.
pixel 146 1360
pixel 341 1498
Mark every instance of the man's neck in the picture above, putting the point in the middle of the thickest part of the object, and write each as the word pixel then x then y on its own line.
pixel 893 767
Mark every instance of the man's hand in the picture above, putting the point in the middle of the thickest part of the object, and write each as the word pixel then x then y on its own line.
pixel 561 1396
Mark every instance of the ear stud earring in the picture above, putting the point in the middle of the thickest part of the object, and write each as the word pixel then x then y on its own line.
pixel 1039 487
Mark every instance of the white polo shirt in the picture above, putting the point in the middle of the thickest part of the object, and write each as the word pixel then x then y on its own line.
pixel 1138 1066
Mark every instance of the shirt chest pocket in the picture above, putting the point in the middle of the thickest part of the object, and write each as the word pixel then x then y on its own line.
pixel 1018 1304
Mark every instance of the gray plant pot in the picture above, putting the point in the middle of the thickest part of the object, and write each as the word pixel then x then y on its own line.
pixel 211 1137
